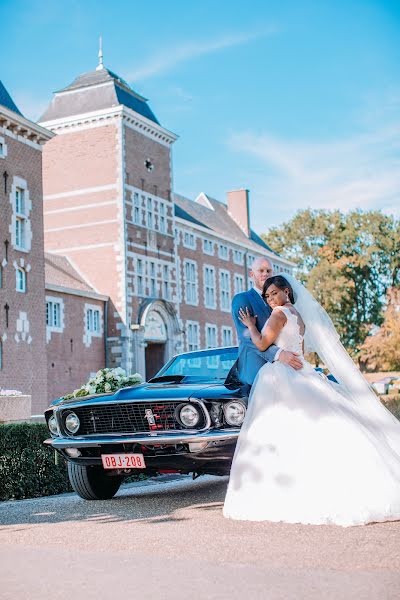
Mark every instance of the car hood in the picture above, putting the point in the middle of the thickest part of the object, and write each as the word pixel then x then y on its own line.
pixel 158 391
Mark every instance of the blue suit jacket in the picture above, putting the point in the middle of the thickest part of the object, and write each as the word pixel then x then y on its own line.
pixel 250 358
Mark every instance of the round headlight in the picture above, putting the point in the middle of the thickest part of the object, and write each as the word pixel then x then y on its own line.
pixel 52 425
pixel 235 412
pixel 72 422
pixel 189 416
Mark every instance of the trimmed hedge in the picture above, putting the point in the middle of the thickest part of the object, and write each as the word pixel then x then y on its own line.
pixel 27 468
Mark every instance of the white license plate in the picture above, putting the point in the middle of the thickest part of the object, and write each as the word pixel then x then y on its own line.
pixel 123 461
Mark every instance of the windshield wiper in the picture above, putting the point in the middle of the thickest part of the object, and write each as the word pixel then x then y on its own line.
pixel 166 378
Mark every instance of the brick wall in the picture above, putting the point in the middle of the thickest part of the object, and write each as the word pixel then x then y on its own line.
pixel 69 357
pixel 24 355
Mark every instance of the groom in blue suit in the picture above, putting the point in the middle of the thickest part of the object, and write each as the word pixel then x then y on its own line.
pixel 250 358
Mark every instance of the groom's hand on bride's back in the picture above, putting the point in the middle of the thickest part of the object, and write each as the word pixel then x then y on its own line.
pixel 292 359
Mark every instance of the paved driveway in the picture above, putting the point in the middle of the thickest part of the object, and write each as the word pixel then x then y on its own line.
pixel 168 540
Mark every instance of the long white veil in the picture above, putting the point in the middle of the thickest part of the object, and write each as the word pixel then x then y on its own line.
pixel 321 337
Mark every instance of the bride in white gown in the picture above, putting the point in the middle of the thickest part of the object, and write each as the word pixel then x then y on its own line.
pixel 310 450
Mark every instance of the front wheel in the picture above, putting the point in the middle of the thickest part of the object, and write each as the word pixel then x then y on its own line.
pixel 92 483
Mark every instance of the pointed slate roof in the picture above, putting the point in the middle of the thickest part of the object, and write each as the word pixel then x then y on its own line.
pixel 7 101
pixel 216 218
pixel 96 90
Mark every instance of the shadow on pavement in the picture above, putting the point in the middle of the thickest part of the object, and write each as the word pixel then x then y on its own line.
pixel 155 503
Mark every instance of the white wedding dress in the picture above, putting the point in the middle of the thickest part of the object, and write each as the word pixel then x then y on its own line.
pixel 307 454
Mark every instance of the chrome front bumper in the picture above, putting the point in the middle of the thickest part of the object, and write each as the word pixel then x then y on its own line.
pixel 148 439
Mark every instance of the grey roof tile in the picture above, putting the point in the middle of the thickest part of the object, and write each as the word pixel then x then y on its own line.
pixel 217 220
pixel 7 101
pixel 59 271
pixel 90 94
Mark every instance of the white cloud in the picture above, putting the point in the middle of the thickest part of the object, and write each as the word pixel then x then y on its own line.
pixel 169 58
pixel 360 171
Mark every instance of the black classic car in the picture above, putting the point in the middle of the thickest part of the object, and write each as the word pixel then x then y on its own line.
pixel 186 419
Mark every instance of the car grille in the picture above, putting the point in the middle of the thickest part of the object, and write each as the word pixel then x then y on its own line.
pixel 128 418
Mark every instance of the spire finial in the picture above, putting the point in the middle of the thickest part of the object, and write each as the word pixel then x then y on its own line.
pixel 100 65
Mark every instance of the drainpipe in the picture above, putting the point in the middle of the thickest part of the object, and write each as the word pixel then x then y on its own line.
pixel 105 331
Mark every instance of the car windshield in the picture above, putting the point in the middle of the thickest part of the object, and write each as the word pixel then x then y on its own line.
pixel 205 365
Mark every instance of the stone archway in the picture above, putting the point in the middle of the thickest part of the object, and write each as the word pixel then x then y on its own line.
pixel 161 335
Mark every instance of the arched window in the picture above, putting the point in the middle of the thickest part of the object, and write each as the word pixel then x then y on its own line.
pixel 20 279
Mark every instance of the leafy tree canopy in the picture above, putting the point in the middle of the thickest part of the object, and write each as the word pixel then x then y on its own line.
pixel 347 260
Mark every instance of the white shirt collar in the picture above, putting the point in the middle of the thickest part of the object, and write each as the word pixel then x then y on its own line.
pixel 259 292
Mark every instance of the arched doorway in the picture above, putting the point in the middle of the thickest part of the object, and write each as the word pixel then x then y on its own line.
pixel 155 337
pixel 162 335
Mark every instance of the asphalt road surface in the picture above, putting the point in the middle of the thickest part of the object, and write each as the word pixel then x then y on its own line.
pixel 167 539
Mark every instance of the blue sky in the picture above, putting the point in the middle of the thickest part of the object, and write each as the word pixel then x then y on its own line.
pixel 299 101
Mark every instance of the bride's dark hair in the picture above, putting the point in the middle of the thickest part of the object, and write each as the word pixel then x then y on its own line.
pixel 280 283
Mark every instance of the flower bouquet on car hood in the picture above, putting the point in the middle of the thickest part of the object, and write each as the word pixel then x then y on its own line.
pixel 106 381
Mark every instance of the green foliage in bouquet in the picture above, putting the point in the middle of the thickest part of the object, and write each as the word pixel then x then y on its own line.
pixel 106 381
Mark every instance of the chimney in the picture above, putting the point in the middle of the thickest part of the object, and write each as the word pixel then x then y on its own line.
pixel 238 209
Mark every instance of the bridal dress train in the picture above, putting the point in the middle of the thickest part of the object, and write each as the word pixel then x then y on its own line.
pixel 309 454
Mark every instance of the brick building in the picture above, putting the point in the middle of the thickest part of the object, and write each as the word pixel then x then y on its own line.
pixel 168 265
pixel 22 308
pixel 133 273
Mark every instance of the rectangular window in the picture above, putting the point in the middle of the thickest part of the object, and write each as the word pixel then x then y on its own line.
pixel 53 314
pixel 238 282
pixel 20 280
pixel 93 320
pixel 136 209
pixel 150 222
pixel 227 337
pixel 166 284
pixel 20 232
pixel 208 247
pixel 225 290
pixel 190 269
pixel 1 149
pixel 211 342
pixel 139 277
pixel 152 279
pixel 163 227
pixel 20 201
pixel 192 339
pixel 209 287
pixel 238 257
pixel 223 252
pixel 189 240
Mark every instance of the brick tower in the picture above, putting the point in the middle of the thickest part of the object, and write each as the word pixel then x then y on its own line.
pixel 108 208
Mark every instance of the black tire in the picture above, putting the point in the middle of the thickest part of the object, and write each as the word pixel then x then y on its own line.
pixel 92 483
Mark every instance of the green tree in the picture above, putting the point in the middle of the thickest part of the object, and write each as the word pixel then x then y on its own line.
pixel 347 261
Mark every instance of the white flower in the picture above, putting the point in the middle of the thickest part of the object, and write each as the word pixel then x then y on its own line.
pixel 107 387
pixel 109 375
pixel 92 389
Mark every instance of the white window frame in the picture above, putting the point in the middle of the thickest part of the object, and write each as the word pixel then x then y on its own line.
pixel 52 327
pixel 225 293
pixel 208 247
pixel 238 288
pixel 152 279
pixel 149 212
pixel 20 280
pixel 226 332
pixel 223 252
pixel 238 257
pixel 3 148
pixel 189 240
pixel 140 277
pixel 162 218
pixel 92 322
pixel 192 336
pixel 136 209
pixel 209 287
pixel 212 363
pixel 20 228
pixel 191 287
